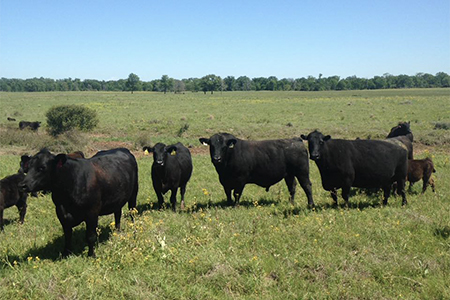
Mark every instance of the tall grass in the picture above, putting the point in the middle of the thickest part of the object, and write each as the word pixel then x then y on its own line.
pixel 265 248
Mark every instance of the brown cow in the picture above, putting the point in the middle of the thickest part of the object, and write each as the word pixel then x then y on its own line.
pixel 421 169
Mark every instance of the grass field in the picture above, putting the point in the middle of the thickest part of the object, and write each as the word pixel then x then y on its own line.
pixel 265 248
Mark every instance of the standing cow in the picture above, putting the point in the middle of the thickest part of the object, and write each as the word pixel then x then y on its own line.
pixel 264 163
pixel 11 194
pixel 358 163
pixel 171 169
pixel 84 189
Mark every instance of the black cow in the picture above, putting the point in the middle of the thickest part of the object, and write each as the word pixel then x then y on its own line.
pixel 32 125
pixel 358 163
pixel 84 189
pixel 171 169
pixel 11 194
pixel 11 119
pixel 264 163
pixel 402 132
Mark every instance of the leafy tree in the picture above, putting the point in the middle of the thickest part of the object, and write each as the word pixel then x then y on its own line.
pixel 133 83
pixel 166 83
pixel 210 83
pixel 230 83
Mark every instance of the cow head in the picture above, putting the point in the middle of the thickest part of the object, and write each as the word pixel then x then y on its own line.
pixel 161 152
pixel 316 142
pixel 403 128
pixel 220 146
pixel 39 169
pixel 24 162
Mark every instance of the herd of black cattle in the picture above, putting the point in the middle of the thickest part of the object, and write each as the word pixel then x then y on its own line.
pixel 83 189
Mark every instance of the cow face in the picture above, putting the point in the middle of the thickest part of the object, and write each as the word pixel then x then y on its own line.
pixel 220 146
pixel 39 169
pixel 316 142
pixel 161 152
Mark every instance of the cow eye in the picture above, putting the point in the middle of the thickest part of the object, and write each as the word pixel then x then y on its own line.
pixel 321 142
pixel 41 169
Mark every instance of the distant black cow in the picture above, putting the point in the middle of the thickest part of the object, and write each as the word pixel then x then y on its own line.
pixel 402 132
pixel 32 125
pixel 11 119
pixel 11 194
pixel 84 189
pixel 264 163
pixel 171 169
pixel 358 163
pixel 421 169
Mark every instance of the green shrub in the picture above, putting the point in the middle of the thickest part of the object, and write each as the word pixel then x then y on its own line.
pixel 67 117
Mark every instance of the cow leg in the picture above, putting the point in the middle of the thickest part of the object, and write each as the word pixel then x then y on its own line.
pixel 306 185
pixel 182 191
pixel 387 193
pixel 91 233
pixel 22 206
pixel 22 212
pixel 237 193
pixel 291 184
pixel 345 194
pixel 173 198
pixel 67 240
pixel 431 182
pixel 228 194
pixel 160 199
pixel 333 194
pixel 117 217
pixel 425 180
pixel 401 190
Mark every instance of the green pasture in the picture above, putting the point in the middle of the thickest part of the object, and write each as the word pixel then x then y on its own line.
pixel 264 249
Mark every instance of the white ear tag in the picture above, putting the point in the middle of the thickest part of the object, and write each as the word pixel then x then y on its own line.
pixel 146 152
pixel 204 143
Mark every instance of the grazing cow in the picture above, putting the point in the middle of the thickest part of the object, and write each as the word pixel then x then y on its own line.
pixel 171 169
pixel 32 125
pixel 264 163
pixel 421 169
pixel 11 194
pixel 11 119
pixel 402 133
pixel 358 163
pixel 84 189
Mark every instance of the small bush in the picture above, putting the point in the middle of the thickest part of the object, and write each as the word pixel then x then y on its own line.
pixel 442 125
pixel 64 118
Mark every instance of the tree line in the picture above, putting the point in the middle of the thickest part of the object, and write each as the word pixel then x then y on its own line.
pixel 212 83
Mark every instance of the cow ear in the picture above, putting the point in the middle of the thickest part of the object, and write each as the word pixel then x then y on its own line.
pixel 326 138
pixel 204 141
pixel 148 149
pixel 231 143
pixel 304 137
pixel 24 163
pixel 60 160
pixel 172 150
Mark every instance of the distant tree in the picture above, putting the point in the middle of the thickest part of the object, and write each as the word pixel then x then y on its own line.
pixel 230 83
pixel 133 83
pixel 243 83
pixel 166 83
pixel 179 86
pixel 210 83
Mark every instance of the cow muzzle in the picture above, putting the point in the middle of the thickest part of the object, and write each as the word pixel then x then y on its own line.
pixel 314 157
pixel 217 159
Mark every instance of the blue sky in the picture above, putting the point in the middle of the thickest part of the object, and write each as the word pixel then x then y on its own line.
pixel 105 40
